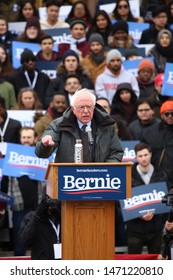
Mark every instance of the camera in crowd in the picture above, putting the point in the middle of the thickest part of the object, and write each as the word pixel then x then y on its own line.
pixel 54 206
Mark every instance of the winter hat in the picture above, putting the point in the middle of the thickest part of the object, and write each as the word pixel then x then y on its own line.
pixel 75 21
pixel 70 53
pixel 26 56
pixel 158 81
pixel 33 21
pixel 146 63
pixel 124 86
pixel 120 25
pixel 163 31
pixel 113 54
pixel 131 52
pixel 96 37
pixel 166 106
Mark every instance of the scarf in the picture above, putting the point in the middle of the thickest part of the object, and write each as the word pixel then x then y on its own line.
pixel 167 52
pixel 98 58
pixel 53 112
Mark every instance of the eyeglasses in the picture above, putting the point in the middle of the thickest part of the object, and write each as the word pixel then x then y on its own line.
pixel 122 7
pixel 82 107
pixel 167 114
pixel 144 110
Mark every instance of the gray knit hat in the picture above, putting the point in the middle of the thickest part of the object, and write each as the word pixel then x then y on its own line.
pixel 113 54
pixel 96 37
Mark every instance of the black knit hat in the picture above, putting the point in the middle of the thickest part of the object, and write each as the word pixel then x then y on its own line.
pixel 70 53
pixel 120 25
pixel 27 55
pixel 96 37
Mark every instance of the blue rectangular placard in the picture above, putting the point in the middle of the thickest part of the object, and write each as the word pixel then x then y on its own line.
pixel 145 198
pixel 92 182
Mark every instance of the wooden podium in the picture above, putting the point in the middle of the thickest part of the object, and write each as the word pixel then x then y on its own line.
pixel 88 226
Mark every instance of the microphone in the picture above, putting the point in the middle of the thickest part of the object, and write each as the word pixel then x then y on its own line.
pixel 90 137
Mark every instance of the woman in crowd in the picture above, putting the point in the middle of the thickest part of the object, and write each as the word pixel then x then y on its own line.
pixel 32 32
pixel 6 67
pixel 101 24
pixel 80 11
pixel 27 99
pixel 6 36
pixel 162 52
pixel 122 11
pixel 124 103
pixel 27 10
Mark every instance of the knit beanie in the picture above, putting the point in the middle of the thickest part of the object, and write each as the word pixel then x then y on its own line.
pixel 76 21
pixel 146 63
pixel 166 106
pixel 70 53
pixel 163 31
pixel 120 25
pixel 33 22
pixel 113 54
pixel 96 37
pixel 26 56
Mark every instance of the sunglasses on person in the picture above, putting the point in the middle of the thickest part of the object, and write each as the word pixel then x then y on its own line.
pixel 167 114
pixel 122 7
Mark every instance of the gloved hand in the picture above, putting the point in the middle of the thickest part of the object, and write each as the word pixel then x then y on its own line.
pixel 42 208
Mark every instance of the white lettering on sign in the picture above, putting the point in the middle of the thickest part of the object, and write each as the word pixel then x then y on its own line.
pixel 17 159
pixel 70 182
pixel 143 198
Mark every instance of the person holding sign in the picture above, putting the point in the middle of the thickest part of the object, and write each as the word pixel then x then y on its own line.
pixel 147 229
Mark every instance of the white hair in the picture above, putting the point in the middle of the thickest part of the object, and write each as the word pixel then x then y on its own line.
pixel 83 91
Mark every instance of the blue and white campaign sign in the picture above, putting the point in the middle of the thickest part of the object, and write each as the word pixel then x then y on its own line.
pixel 27 117
pixel 92 182
pixel 1 164
pixel 145 198
pixel 5 198
pixel 129 152
pixel 167 88
pixel 48 67
pixel 18 48
pixel 132 65
pixel 60 35
pixel 21 160
pixel 136 29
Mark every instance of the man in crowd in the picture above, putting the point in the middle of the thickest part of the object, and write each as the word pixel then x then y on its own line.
pixel 95 60
pixel 55 110
pixel 113 75
pixel 52 21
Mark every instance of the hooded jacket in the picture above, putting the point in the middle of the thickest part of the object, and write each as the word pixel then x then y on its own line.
pixel 106 83
pixel 64 132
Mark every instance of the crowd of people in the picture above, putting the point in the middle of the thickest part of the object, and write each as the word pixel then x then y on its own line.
pixel 91 62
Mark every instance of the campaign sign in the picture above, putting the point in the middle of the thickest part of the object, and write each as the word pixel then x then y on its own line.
pixel 48 67
pixel 167 88
pixel 91 182
pixel 21 160
pixel 27 117
pixel 129 152
pixel 59 35
pixel 145 198
pixel 5 198
pixel 133 65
